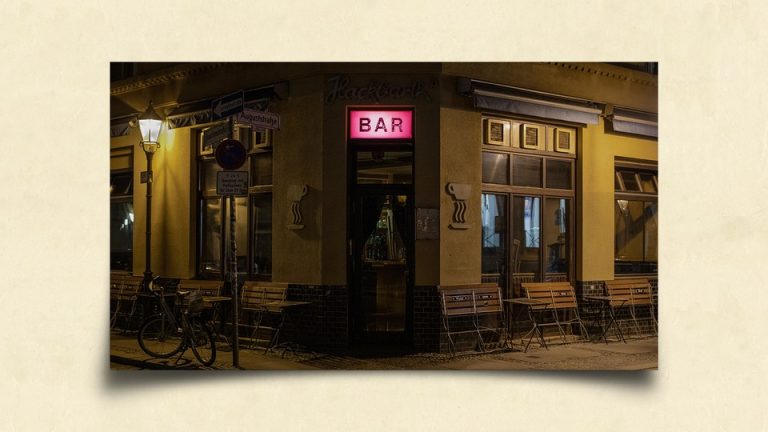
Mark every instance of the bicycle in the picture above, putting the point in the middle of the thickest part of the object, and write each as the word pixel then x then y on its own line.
pixel 164 335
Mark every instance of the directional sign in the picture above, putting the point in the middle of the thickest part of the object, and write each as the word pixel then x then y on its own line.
pixel 232 183
pixel 216 134
pixel 259 119
pixel 230 154
pixel 228 105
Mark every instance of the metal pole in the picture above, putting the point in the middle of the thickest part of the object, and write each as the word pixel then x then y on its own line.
pixel 233 279
pixel 148 252
pixel 233 271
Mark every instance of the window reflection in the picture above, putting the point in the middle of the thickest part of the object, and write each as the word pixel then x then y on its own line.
pixel 379 167
pixel 261 211
pixel 212 241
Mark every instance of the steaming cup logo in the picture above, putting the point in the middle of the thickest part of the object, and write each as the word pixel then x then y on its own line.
pixel 461 193
pixel 295 195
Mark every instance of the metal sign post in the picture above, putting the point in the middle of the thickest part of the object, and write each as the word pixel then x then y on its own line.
pixel 233 282
pixel 231 155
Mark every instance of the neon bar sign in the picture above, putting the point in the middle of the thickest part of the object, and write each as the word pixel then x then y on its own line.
pixel 381 125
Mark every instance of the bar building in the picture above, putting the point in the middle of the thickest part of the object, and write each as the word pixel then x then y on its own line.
pixel 385 181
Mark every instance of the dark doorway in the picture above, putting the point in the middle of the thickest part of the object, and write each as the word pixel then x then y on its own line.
pixel 381 249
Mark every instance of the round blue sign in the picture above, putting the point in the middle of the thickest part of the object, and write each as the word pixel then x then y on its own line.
pixel 230 154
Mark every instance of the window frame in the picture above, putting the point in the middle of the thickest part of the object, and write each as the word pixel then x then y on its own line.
pixel 636 167
pixel 123 152
pixel 248 137
pixel 543 192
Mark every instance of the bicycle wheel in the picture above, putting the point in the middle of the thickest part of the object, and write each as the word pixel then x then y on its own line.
pixel 203 344
pixel 159 337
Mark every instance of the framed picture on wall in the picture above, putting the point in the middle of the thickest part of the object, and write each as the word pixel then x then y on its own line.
pixel 564 140
pixel 497 132
pixel 532 137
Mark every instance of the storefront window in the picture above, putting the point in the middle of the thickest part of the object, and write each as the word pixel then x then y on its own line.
pixel 380 167
pixel 253 214
pixel 527 226
pixel 261 241
pixel 494 230
pixel 495 168
pixel 636 221
pixel 121 221
pixel 526 171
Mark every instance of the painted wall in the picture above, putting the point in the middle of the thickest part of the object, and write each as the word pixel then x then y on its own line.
pixel 172 217
pixel 595 199
pixel 460 162
pixel 297 255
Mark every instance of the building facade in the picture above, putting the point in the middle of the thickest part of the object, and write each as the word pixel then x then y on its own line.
pixel 385 181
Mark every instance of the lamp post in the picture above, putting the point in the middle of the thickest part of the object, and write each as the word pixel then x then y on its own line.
pixel 149 124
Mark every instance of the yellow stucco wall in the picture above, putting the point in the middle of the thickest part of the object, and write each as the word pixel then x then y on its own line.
pixel 595 196
pixel 460 162
pixel 172 203
pixel 298 150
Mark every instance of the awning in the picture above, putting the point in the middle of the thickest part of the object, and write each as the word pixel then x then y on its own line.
pixel 120 126
pixel 199 112
pixel 532 103
pixel 633 122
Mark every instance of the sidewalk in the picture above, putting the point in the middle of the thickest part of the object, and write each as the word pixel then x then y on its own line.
pixel 637 354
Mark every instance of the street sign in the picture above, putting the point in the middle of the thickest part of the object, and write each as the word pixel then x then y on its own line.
pixel 228 105
pixel 146 176
pixel 259 119
pixel 215 134
pixel 230 154
pixel 232 183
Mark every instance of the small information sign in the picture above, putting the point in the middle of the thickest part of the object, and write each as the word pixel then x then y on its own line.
pixel 232 183
pixel 146 176
pixel 427 224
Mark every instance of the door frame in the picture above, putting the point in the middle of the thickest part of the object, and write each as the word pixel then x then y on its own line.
pixel 359 336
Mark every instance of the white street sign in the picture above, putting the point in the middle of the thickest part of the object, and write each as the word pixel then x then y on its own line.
pixel 232 183
pixel 259 119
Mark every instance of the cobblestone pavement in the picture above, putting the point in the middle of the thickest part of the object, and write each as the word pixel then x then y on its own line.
pixel 636 354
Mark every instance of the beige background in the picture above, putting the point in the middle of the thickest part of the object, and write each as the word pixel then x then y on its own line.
pixel 54 214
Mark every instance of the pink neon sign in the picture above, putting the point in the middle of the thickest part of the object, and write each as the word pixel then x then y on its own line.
pixel 378 125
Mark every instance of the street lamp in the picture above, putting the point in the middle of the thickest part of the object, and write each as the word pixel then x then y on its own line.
pixel 149 125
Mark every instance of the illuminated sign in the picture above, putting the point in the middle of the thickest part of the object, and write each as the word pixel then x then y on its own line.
pixel 381 125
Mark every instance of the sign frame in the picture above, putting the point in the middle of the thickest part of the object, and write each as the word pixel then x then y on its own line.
pixel 230 154
pixel 354 108
pixel 236 102
pixel 232 183
pixel 243 117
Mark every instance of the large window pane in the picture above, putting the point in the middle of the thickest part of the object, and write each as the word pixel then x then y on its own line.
pixel 559 174
pixel 629 230
pixel 241 234
pixel 495 168
pixel 210 261
pixel 646 180
pixel 210 168
pixel 556 236
pixel 494 231
pixel 121 235
pixel 261 225
pixel 121 184
pixel 526 171
pixel 526 216
pixel 630 181
pixel 381 167
pixel 651 232
pixel 261 169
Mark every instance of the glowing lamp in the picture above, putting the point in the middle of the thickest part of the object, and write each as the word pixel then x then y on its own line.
pixel 149 124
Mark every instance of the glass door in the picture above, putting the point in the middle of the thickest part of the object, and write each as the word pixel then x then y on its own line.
pixel 525 238
pixel 381 265
pixel 381 245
